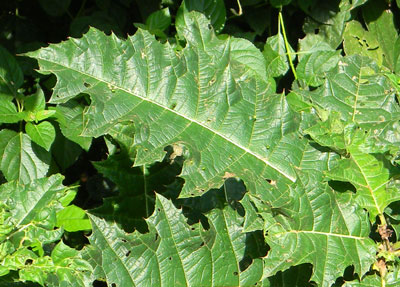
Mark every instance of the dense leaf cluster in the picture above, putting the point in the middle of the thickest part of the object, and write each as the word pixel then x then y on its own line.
pixel 199 143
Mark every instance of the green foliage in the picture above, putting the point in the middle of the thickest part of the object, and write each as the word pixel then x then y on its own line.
pixel 200 257
pixel 22 159
pixel 205 145
pixel 28 228
pixel 214 10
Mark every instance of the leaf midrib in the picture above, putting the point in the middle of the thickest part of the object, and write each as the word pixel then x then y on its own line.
pixel 356 96
pixel 167 219
pixel 291 178
pixel 369 188
pixel 111 248
pixel 322 233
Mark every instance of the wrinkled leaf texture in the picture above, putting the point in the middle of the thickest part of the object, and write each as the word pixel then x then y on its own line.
pixel 211 98
pixel 174 253
pixel 363 99
pixel 215 100
pixel 322 227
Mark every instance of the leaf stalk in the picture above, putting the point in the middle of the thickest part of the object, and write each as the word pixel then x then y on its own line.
pixel 289 55
pixel 240 9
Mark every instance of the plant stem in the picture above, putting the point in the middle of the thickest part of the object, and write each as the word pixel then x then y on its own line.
pixel 287 45
pixel 18 230
pixel 382 219
pixel 240 9
pixel 146 195
pixel 225 193
pixel 20 107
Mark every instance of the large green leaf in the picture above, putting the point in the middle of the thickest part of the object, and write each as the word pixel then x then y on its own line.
pixel 26 203
pixel 312 43
pixel 361 95
pixel 316 58
pixel 213 98
pixel 361 165
pixel 71 269
pixel 370 176
pixel 21 159
pixel 174 253
pixel 321 227
pixel 363 115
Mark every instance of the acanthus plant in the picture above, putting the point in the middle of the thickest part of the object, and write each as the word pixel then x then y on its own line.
pixel 238 185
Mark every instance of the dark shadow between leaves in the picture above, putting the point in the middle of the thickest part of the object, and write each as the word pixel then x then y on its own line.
pixel 126 206
pixel 317 146
pixel 133 199
pixel 233 190
pixel 255 248
pixel 2 178
pixel 10 280
pixel 295 276
pixel 98 283
pixel 230 193
pixel 348 275
pixel 341 186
